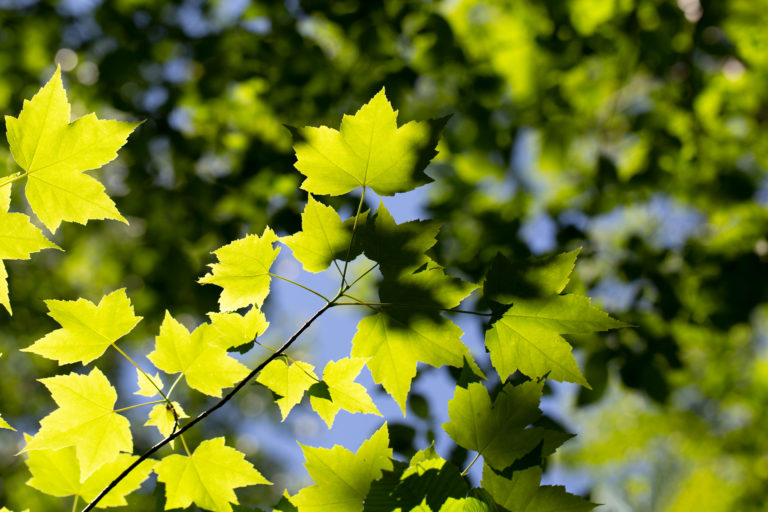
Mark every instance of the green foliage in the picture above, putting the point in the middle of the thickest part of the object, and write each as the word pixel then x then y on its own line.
pixel 89 439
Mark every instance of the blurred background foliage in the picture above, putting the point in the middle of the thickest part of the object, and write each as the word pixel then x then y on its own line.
pixel 633 128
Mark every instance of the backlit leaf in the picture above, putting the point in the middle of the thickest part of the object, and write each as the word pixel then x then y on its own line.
pixel 230 330
pixel 206 366
pixel 161 416
pixel 206 478
pixel 87 329
pixel 85 419
pixel 345 393
pixel 145 386
pixel 342 478
pixel 289 382
pixel 243 270
pixel 523 494
pixel 55 153
pixel 369 150
pixel 4 424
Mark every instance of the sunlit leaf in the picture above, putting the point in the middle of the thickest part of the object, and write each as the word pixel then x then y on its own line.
pixel 344 392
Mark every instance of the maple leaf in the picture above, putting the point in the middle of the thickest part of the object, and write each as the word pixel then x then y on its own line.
pixel 461 505
pixel 87 329
pixel 207 478
pixel 289 382
pixel 527 337
pixel 397 337
pixel 54 153
pixel 342 478
pixel 57 473
pixel 499 432
pixel 229 330
pixel 243 270
pixel 369 150
pixel 85 419
pixel 161 416
pixel 206 366
pixel 323 237
pixel 339 376
pixel 522 493
pixel 18 239
pixel 145 386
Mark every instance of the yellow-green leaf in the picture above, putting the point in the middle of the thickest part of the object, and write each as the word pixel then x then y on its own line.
pixel 85 419
pixel 342 478
pixel 206 366
pixel 243 270
pixel 4 424
pixel 230 330
pixel 4 298
pixel 145 386
pixel 57 473
pixel 55 153
pixel 161 416
pixel 345 393
pixel 288 382
pixel 369 150
pixel 207 478
pixel 87 329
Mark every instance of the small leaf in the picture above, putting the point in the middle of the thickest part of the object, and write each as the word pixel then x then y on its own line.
pixel 523 494
pixel 369 150
pixel 206 367
pixel 161 416
pixel 4 424
pixel 85 419
pixel 57 473
pixel 55 152
pixel 87 329
pixel 288 382
pixel 499 431
pixel 541 277
pixel 342 478
pixel 145 386
pixel 323 237
pixel 229 330
pixel 207 478
pixel 344 392
pixel 243 270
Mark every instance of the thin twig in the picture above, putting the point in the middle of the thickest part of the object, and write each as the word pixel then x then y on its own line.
pixel 208 411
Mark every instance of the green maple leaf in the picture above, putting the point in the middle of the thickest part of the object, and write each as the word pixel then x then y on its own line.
pixel 87 329
pixel 85 419
pixel 145 386
pixel 4 424
pixel 499 431
pixel 54 153
pixel 344 392
pixel 18 239
pixel 399 336
pixel 523 494
pixel 323 237
pixel 206 366
pixel 528 335
pixel 243 270
pixel 289 382
pixel 342 478
pixel 230 330
pixel 398 248
pixel 464 505
pixel 207 478
pixel 369 151
pixel 57 473
pixel 161 416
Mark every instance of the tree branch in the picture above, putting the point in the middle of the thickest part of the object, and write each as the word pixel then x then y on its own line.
pixel 208 411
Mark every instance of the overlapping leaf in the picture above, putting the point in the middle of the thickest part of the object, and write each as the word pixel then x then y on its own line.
pixel 207 478
pixel 162 417
pixel 55 153
pixel 289 382
pixel 18 239
pixel 57 472
pixel 87 329
pixel 499 431
pixel 206 366
pixel 85 420
pixel 339 376
pixel 323 237
pixel 528 335
pixel 231 330
pixel 522 493
pixel 342 478
pixel 369 150
pixel 243 270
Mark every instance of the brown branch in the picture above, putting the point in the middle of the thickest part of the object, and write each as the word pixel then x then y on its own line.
pixel 208 411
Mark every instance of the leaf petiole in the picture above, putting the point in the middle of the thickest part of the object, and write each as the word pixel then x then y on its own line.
pixel 300 286
pixel 139 405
